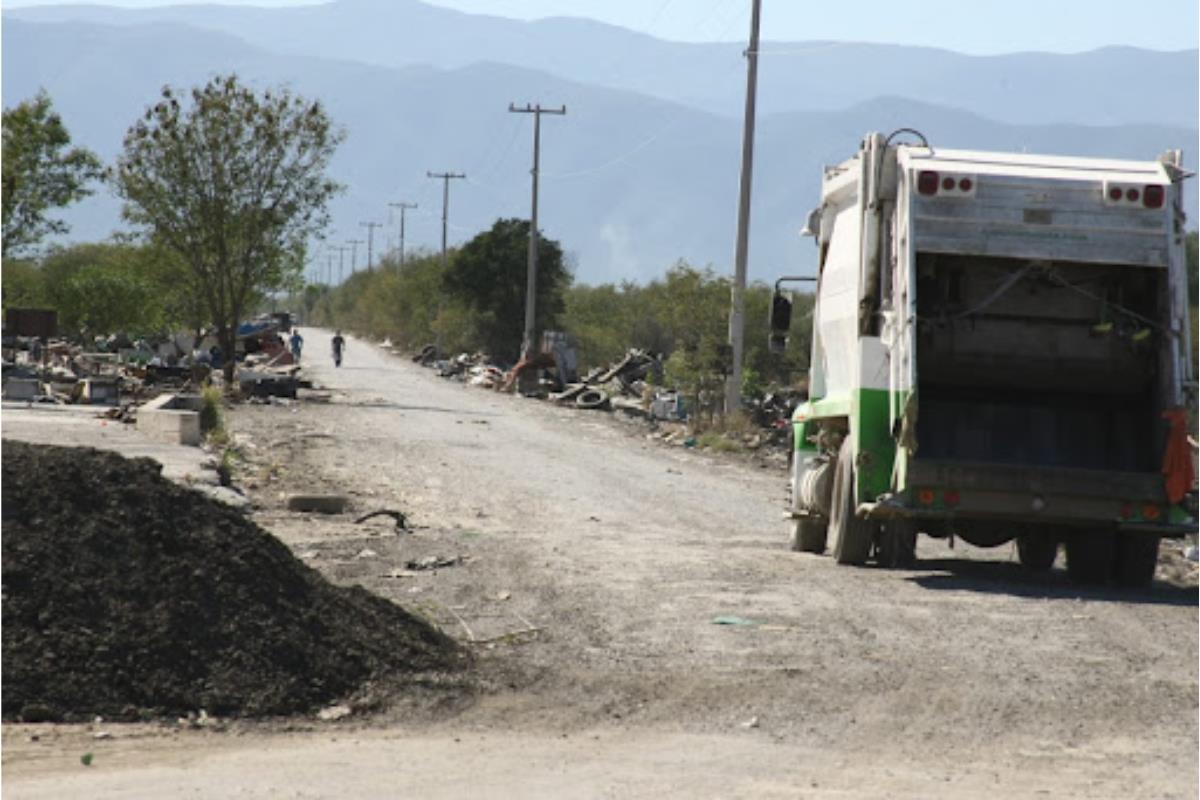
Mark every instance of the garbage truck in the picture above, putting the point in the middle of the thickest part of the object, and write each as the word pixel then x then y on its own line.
pixel 1000 351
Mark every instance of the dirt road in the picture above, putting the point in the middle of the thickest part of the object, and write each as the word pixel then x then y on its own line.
pixel 594 563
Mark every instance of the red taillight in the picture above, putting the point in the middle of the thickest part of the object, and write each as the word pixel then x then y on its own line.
pixel 926 497
pixel 951 497
pixel 1150 511
pixel 1133 195
pixel 927 182
pixel 1115 193
pixel 1153 197
pixel 1126 511
pixel 948 183
pixel 965 184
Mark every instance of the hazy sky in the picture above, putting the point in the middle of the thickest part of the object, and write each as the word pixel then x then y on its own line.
pixel 971 26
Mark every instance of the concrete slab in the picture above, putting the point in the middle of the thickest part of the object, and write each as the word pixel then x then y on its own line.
pixel 171 418
pixel 84 426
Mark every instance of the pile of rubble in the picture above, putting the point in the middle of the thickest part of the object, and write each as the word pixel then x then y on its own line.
pixel 121 373
pixel 630 385
pixel 128 596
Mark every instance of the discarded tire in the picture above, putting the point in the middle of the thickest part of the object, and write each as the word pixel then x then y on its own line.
pixel 591 398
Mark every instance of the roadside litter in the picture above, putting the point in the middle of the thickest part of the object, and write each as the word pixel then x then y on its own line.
pixel 434 562
pixel 399 517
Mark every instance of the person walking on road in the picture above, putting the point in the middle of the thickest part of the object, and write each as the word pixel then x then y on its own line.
pixel 297 343
pixel 339 344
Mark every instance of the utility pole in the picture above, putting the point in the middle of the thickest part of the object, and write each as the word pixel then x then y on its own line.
pixel 527 341
pixel 445 177
pixel 370 226
pixel 341 251
pixel 737 314
pixel 354 243
pixel 329 270
pixel 403 207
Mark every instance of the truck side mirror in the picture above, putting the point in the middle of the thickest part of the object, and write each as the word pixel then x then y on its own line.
pixel 781 322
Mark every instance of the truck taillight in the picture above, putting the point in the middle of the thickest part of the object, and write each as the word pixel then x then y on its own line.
pixel 951 497
pixel 926 497
pixel 1126 510
pixel 927 182
pixel 1150 195
pixel 1150 512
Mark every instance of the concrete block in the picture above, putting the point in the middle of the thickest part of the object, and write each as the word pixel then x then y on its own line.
pixel 101 392
pixel 21 388
pixel 171 418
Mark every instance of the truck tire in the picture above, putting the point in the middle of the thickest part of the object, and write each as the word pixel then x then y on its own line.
pixel 897 545
pixel 1037 550
pixel 852 537
pixel 1136 559
pixel 809 534
pixel 1090 556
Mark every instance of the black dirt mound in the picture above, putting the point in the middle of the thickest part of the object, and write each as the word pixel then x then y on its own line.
pixel 125 594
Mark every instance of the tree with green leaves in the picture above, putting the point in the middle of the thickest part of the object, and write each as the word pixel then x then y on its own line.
pixel 40 172
pixel 233 183
pixel 488 276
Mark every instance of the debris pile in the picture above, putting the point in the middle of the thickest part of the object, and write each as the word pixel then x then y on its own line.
pixel 128 596
pixel 118 371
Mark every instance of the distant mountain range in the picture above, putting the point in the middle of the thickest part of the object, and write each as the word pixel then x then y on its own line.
pixel 1110 86
pixel 631 180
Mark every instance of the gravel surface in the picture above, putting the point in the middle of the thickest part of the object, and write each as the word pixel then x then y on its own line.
pixel 588 565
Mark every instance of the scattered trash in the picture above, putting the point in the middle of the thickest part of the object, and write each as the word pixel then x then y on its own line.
pixel 1191 554
pixel 101 735
pixel 398 516
pixel 434 562
pixel 751 723
pixel 366 553
pixel 400 573
pixel 319 503
pixel 731 619
pixel 86 759
pixel 334 713
pixel 503 595
pixel 591 398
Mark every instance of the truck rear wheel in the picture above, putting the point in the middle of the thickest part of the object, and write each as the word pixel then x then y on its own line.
pixel 897 546
pixel 851 535
pixel 1090 556
pixel 1037 551
pixel 809 534
pixel 1136 559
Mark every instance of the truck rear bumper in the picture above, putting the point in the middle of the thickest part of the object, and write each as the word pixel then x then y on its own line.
pixel 1034 496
